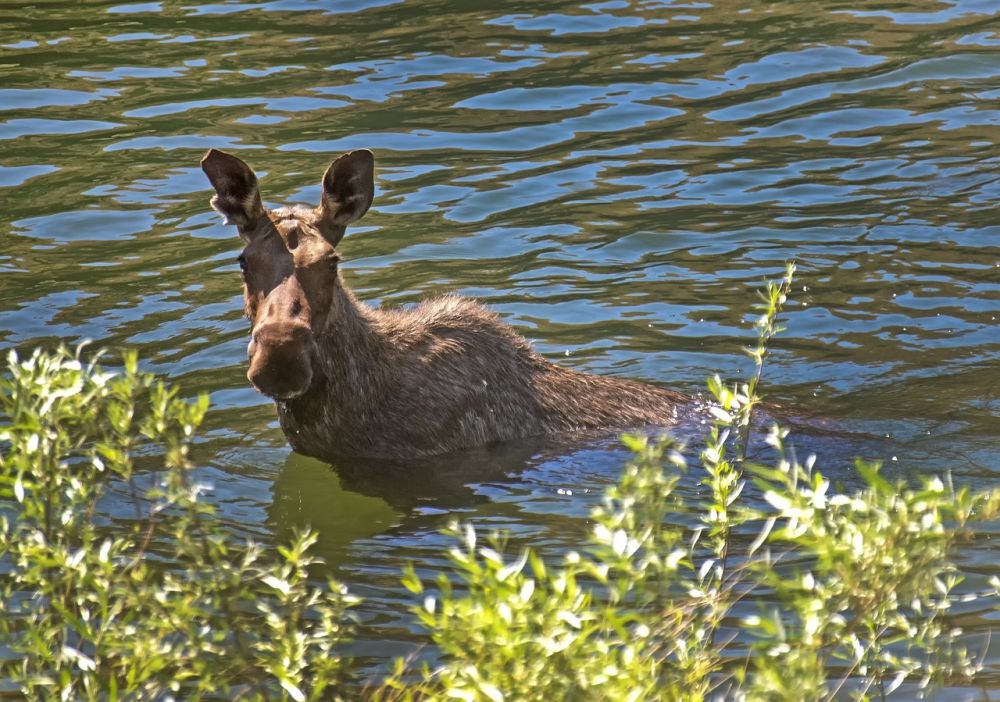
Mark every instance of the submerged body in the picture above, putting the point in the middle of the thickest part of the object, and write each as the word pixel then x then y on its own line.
pixel 448 375
pixel 349 379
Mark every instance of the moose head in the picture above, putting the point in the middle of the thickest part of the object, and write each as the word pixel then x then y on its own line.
pixel 289 263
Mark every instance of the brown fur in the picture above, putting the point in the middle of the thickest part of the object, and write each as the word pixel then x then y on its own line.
pixel 349 379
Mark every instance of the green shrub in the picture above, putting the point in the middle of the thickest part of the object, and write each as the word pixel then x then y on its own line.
pixel 851 590
pixel 163 603
pixel 851 587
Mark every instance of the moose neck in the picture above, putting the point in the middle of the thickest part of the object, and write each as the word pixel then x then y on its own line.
pixel 352 352
pixel 350 374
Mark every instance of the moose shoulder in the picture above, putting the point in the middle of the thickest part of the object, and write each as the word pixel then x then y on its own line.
pixel 350 379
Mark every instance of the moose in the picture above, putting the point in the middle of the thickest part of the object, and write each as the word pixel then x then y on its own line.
pixel 350 379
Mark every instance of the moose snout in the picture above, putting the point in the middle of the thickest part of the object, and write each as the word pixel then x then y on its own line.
pixel 281 359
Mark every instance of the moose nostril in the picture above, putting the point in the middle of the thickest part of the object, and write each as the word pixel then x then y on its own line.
pixel 296 308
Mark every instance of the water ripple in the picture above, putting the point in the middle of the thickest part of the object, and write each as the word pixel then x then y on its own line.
pixel 614 178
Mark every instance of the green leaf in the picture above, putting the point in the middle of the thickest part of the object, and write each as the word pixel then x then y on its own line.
pixel 411 581
pixel 870 474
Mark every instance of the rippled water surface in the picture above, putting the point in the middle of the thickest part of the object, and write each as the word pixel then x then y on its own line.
pixel 615 178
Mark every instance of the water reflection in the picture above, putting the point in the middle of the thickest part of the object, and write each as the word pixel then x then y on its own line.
pixel 615 178
pixel 308 493
pixel 329 496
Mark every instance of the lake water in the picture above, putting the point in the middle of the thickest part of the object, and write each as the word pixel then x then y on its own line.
pixel 616 179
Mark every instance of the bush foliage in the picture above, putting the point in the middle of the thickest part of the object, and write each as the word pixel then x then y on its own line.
pixel 776 586
pixel 161 602
pixel 849 590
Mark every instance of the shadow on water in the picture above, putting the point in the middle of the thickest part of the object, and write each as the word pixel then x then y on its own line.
pixel 444 483
pixel 356 498
pixel 554 478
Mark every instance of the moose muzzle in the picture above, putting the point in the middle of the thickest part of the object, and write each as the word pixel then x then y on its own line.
pixel 281 359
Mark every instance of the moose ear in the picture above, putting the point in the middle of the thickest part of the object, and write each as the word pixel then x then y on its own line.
pixel 348 189
pixel 237 197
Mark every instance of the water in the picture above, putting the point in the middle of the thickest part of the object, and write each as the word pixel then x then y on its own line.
pixel 614 178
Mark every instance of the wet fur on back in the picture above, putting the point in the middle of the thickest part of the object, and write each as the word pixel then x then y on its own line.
pixel 448 375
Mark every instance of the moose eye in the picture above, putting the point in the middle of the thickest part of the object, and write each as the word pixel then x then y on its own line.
pixel 242 260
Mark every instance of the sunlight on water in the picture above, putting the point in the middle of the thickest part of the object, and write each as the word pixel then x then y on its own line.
pixel 615 178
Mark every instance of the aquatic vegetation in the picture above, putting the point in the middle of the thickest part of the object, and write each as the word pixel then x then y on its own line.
pixel 773 584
